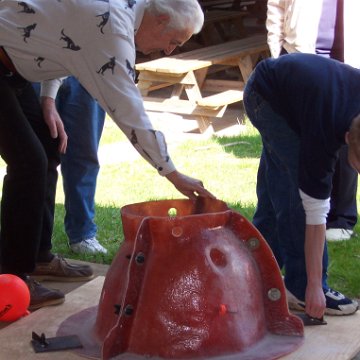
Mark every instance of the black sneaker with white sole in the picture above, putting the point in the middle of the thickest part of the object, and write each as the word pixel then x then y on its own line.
pixel 336 303
pixel 339 304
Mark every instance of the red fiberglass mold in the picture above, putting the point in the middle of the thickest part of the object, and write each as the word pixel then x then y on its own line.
pixel 192 280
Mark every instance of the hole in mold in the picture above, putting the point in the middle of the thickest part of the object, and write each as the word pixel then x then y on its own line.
pixel 172 212
pixel 177 231
pixel 218 257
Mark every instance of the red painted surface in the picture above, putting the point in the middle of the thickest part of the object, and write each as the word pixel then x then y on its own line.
pixel 203 284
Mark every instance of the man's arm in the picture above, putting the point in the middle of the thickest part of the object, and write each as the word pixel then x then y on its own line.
pixel 48 92
pixel 275 26
pixel 315 211
pixel 314 249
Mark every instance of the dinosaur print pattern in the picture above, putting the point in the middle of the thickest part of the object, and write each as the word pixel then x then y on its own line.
pixel 25 8
pixel 59 46
pixel 110 65
pixel 39 60
pixel 131 4
pixel 26 31
pixel 159 137
pixel 134 141
pixel 131 70
pixel 70 44
pixel 104 20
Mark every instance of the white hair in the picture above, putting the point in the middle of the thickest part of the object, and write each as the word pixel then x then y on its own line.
pixel 183 14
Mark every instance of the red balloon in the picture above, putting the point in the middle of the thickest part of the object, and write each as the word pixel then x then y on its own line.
pixel 14 298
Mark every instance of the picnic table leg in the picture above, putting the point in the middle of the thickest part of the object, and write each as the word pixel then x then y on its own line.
pixel 192 88
pixel 200 76
pixel 204 124
pixel 177 91
pixel 246 66
pixel 144 86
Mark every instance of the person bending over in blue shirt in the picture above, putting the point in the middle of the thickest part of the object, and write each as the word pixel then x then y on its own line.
pixel 305 108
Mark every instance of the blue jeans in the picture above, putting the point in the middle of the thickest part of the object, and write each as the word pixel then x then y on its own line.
pixel 280 215
pixel 84 121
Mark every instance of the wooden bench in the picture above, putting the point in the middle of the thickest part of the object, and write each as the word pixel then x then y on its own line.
pixel 192 93
pixel 221 25
pixel 226 4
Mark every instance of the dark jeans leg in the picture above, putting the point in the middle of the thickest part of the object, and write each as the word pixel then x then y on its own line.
pixel 343 209
pixel 280 215
pixel 264 218
pixel 29 185
pixel 35 118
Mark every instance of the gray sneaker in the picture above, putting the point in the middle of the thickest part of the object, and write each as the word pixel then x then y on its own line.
pixel 88 246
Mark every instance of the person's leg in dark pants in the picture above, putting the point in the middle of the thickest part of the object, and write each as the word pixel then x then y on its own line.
pixel 342 217
pixel 24 187
pixel 265 218
pixel 31 106
pixel 280 215
pixel 28 192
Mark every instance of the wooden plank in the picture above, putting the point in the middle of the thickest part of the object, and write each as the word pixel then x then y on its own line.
pixel 205 57
pixel 339 340
pixel 205 52
pixel 216 85
pixel 15 338
pixel 183 107
pixel 218 100
pixel 208 4
pixel 181 78
pixel 204 124
pixel 218 24
pixel 149 81
pixel 212 16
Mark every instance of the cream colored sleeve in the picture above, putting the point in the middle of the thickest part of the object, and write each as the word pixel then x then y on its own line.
pixel 275 26
pixel 50 88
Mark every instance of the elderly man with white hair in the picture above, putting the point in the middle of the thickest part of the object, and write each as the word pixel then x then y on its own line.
pixel 95 41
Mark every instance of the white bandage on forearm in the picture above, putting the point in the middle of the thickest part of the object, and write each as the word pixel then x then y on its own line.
pixel 50 88
pixel 316 210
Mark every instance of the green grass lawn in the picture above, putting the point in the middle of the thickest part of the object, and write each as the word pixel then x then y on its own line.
pixel 227 167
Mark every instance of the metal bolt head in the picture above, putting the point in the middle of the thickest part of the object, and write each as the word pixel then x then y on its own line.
pixel 140 258
pixel 128 310
pixel 253 243
pixel 117 309
pixel 274 294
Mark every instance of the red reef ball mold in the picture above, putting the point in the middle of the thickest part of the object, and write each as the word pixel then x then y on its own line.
pixel 192 280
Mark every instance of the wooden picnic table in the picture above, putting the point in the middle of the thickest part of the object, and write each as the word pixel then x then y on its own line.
pixel 222 25
pixel 193 92
pixel 226 4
